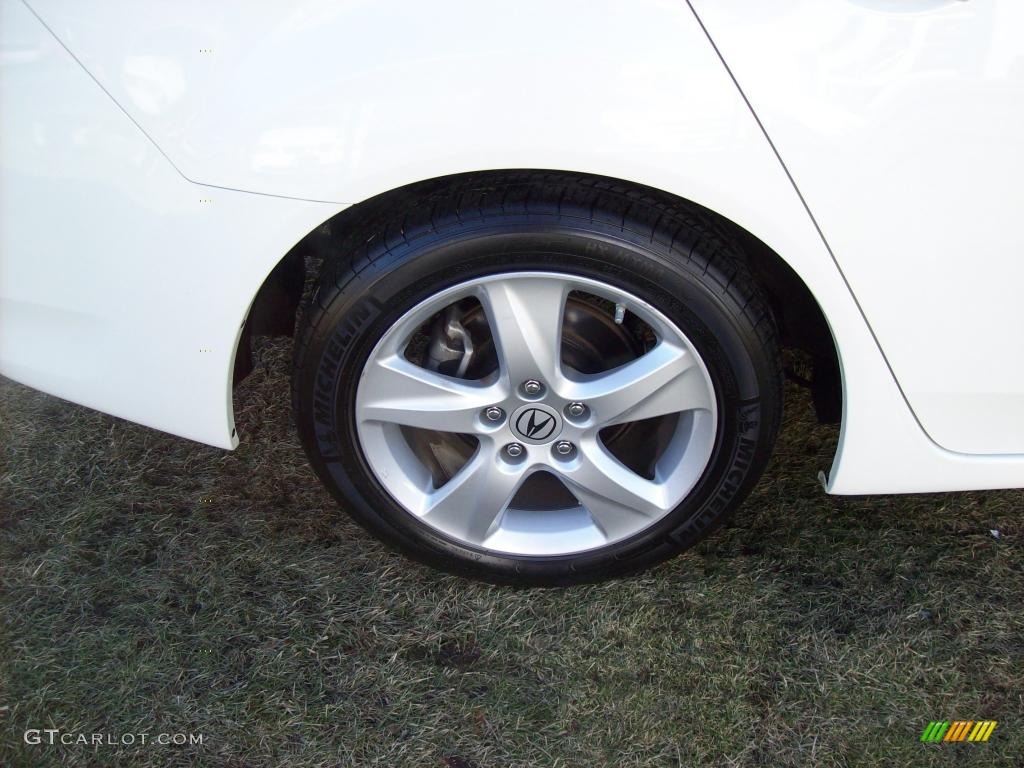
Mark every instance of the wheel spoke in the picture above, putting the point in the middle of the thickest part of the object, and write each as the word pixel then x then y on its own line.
pixel 618 499
pixel 525 316
pixel 470 505
pixel 397 391
pixel 665 380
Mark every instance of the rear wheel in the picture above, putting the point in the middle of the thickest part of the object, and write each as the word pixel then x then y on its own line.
pixel 569 387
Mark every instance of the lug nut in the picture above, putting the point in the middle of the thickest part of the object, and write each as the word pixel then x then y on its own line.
pixel 564 448
pixel 532 387
pixel 575 410
pixel 494 414
pixel 515 450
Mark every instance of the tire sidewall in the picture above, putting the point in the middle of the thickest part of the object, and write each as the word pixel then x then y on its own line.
pixel 357 317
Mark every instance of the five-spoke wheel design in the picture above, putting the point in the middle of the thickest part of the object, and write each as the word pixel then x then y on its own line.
pixel 536 413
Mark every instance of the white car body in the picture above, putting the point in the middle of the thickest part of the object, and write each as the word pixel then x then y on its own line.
pixel 157 160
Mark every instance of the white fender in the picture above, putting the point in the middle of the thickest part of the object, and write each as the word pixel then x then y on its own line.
pixel 337 102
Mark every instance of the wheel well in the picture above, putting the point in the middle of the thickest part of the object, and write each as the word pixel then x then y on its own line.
pixel 802 324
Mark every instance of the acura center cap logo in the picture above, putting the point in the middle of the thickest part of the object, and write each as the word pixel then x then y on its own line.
pixel 536 423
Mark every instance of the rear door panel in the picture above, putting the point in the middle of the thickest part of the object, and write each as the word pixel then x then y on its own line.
pixel 902 124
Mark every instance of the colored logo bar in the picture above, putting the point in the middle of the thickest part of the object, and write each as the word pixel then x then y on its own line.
pixel 958 730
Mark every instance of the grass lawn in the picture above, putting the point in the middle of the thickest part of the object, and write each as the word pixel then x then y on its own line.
pixel 811 631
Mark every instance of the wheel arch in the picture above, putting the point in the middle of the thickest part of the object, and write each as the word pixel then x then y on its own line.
pixel 802 322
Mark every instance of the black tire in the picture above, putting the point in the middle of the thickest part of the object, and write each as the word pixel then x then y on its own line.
pixel 668 253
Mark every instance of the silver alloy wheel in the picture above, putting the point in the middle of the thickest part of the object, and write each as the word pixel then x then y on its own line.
pixel 525 313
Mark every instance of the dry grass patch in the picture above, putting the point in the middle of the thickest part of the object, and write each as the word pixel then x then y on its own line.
pixel 811 631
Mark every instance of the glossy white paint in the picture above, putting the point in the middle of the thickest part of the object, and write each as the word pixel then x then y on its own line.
pixel 903 126
pixel 120 287
pixel 340 101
